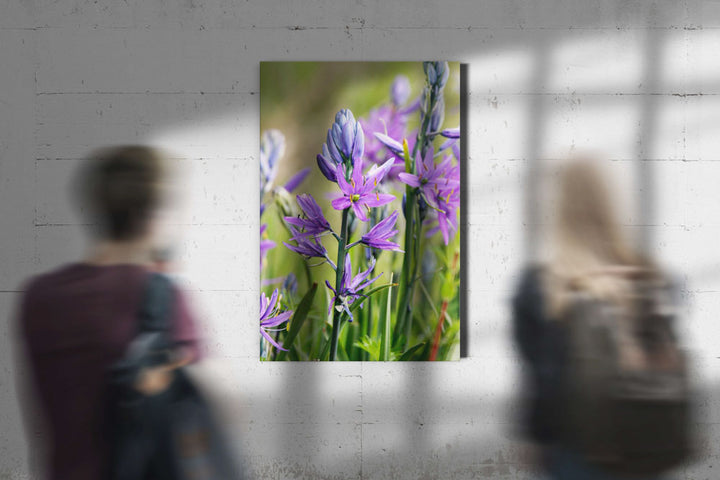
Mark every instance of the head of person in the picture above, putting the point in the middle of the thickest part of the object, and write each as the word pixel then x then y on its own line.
pixel 121 189
pixel 590 251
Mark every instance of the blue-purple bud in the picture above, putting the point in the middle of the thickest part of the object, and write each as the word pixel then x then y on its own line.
pixel 437 73
pixel 326 164
pixel 345 142
pixel 400 90
pixel 437 116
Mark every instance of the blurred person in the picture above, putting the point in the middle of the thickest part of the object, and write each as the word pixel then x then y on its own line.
pixel 76 321
pixel 590 328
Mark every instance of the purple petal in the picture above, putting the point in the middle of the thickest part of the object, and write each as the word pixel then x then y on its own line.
pixel 266 245
pixel 347 271
pixel 298 222
pixel 297 179
pixel 326 167
pixel 341 203
pixel 309 206
pixel 394 146
pixel 277 320
pixel 357 173
pixel 332 146
pixel 409 179
pixel 378 199
pixel 272 340
pixel 383 244
pixel 263 305
pixel 365 284
pixel 273 299
pixel 357 208
pixel 345 187
pixel 359 146
pixel 348 136
pixel 446 144
pixel 383 228
pixel 451 132
pixel 376 174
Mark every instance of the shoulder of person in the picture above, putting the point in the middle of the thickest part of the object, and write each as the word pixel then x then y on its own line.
pixel 531 277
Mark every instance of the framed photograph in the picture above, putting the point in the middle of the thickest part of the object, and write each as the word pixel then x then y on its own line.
pixel 360 207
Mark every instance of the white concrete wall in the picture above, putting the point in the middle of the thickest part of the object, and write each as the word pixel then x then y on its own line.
pixel 634 79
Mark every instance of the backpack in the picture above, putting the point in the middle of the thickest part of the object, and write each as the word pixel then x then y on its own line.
pixel 626 393
pixel 172 435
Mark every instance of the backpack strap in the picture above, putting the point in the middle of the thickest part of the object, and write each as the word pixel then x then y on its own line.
pixel 156 307
pixel 152 345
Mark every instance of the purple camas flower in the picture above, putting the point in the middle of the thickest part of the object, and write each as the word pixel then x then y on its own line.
pixel 448 200
pixel 440 188
pixel 314 222
pixel 377 236
pixel 360 191
pixel 271 318
pixel 432 180
pixel 272 147
pixel 446 216
pixel 350 287
pixel 307 245
pixel 345 144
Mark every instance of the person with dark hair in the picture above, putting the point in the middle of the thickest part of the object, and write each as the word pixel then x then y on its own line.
pixel 76 321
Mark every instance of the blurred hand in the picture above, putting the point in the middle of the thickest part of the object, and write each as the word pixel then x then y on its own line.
pixel 152 381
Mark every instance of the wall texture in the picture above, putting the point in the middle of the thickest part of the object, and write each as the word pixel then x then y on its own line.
pixel 638 81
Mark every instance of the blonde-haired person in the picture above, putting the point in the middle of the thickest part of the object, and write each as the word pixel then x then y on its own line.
pixel 587 253
pixel 77 320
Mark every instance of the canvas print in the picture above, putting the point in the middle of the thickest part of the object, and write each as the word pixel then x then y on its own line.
pixel 359 211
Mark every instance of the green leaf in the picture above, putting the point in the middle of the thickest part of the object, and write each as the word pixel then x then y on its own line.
pixel 356 304
pixel 408 355
pixel 325 351
pixel 385 335
pixel 298 319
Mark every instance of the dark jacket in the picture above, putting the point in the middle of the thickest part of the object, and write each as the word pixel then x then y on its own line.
pixel 543 346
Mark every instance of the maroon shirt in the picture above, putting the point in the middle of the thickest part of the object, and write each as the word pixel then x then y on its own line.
pixel 74 323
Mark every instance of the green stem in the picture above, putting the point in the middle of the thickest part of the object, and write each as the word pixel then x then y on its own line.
pixel 406 288
pixel 338 284
pixel 404 279
pixel 415 267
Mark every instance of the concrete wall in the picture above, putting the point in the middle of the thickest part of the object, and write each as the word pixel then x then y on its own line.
pixel 636 80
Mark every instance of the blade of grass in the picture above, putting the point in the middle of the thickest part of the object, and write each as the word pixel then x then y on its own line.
pixel 407 355
pixel 385 335
pixel 299 317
